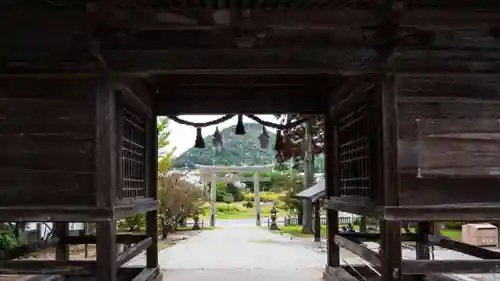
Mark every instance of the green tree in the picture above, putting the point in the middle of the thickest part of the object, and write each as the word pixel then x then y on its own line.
pixel 178 200
pixel 291 204
pixel 165 157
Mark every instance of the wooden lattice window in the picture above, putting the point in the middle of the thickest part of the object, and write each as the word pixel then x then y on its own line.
pixel 354 153
pixel 133 155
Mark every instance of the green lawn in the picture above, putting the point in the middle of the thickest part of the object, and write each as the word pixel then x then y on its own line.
pixel 238 211
pixel 296 230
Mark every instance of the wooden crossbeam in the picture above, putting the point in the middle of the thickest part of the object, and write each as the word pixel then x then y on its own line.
pixel 255 104
pixel 413 267
pixel 123 257
pixel 46 213
pixel 92 239
pixel 318 61
pixel 463 248
pixel 358 249
pixel 360 236
pixel 147 274
pixel 48 267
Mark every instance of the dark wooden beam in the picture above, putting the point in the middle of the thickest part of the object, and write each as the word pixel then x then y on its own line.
pixel 152 187
pixel 61 230
pixel 148 274
pixel 126 208
pixel 78 268
pixel 388 183
pixel 165 105
pixel 242 91
pixel 241 79
pixel 107 148
pixel 107 173
pixel 337 274
pixel 412 267
pixel 318 61
pixel 372 237
pixel 353 205
pixel 50 213
pixel 129 238
pixel 124 257
pixel 332 187
pixel 106 250
pixel 444 60
pixel 298 19
pixel 358 249
pixel 449 19
pixel 463 248
pixel 463 211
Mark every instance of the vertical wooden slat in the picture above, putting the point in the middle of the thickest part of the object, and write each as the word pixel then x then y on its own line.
pixel 390 230
pixel 61 230
pixel 152 181
pixel 332 187
pixel 106 174
pixel 317 222
pixel 119 125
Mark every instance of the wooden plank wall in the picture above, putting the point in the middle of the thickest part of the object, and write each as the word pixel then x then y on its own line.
pixel 449 140
pixel 47 139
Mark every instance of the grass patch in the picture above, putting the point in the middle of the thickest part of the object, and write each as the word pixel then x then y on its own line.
pixel 162 246
pixel 453 234
pixel 238 211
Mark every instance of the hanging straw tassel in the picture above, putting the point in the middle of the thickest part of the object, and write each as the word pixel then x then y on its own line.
pixel 240 128
pixel 199 142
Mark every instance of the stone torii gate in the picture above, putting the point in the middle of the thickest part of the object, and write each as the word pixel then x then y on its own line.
pixel 211 173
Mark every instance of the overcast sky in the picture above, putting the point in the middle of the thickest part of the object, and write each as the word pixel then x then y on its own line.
pixel 182 137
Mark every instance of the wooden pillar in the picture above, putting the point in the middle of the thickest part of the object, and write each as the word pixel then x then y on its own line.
pixel 362 224
pixel 61 230
pixel 152 187
pixel 317 222
pixel 332 188
pixel 106 251
pixel 307 215
pixel 106 172
pixel 390 231
pixel 213 195
pixel 256 190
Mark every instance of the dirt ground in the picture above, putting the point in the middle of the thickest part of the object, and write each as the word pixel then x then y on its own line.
pixel 78 252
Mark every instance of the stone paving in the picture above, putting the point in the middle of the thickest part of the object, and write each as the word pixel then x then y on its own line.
pixel 242 252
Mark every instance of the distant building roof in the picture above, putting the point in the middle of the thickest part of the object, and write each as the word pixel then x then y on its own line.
pixel 314 192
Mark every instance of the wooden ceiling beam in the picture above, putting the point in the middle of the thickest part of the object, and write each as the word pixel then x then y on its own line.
pixel 259 104
pixel 243 92
pixel 449 19
pixel 241 79
pixel 340 61
pixel 451 61
pixel 244 38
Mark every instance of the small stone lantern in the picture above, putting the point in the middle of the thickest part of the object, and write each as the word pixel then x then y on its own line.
pixel 196 218
pixel 273 225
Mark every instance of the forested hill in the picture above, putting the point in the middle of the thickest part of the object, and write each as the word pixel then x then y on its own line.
pixel 238 150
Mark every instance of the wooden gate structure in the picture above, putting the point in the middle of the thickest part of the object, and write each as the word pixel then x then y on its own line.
pixel 409 90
